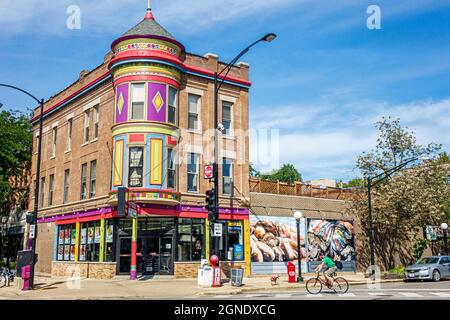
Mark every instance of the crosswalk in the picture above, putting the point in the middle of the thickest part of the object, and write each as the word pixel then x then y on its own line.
pixel 349 295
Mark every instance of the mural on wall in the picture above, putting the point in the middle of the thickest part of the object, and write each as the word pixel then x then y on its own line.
pixel 274 239
pixel 334 238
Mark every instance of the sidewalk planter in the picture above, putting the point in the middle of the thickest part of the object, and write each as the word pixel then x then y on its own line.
pixel 96 270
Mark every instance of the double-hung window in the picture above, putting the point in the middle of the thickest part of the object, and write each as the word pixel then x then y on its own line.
pixel 227 176
pixel 83 181
pixel 50 189
pixel 93 175
pixel 66 185
pixel 54 136
pixel 193 111
pixel 87 121
pixel 69 135
pixel 96 119
pixel 193 172
pixel 135 168
pixel 42 190
pixel 171 169
pixel 226 117
pixel 172 112
pixel 137 101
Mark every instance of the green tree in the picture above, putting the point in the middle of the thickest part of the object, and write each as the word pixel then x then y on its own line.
pixel 15 159
pixel 253 171
pixel 403 204
pixel 355 182
pixel 287 173
pixel 443 158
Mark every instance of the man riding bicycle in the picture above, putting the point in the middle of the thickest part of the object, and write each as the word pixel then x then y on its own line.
pixel 330 268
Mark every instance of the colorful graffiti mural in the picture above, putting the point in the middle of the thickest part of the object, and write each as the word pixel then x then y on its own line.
pixel 333 238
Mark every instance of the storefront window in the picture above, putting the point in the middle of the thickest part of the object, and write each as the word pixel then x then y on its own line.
pixel 90 241
pixel 66 243
pixel 231 244
pixel 109 240
pixel 190 240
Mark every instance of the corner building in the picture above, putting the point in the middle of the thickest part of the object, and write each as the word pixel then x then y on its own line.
pixel 139 121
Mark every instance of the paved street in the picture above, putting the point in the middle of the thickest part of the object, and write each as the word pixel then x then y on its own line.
pixel 389 291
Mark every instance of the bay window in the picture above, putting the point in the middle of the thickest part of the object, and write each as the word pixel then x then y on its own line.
pixel 171 169
pixel 172 112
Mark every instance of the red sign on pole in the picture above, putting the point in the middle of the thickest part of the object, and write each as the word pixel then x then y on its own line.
pixel 209 172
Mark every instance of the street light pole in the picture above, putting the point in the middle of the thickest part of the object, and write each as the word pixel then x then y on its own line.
pixel 444 228
pixel 217 85
pixel 33 222
pixel 298 216
pixel 371 181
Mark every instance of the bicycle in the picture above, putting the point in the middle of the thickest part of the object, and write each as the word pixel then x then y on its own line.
pixel 315 285
pixel 6 277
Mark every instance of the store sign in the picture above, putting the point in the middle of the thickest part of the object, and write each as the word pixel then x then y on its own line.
pixel 209 172
pixel 217 230
pixel 132 210
pixel 433 233
pixel 32 231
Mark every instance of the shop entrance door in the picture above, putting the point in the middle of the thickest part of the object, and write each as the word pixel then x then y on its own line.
pixel 157 255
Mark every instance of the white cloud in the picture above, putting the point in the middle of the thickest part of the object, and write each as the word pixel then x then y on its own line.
pixel 326 142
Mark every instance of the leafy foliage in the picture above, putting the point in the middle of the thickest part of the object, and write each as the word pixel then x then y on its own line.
pixel 15 158
pixel 403 204
pixel 287 173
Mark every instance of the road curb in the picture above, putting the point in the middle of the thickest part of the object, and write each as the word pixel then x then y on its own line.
pixel 278 288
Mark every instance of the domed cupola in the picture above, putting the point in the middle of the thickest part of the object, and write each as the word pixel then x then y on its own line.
pixel 146 70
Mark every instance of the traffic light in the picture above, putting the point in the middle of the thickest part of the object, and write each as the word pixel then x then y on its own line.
pixel 210 203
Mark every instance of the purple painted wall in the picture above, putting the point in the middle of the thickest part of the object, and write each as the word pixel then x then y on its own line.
pixel 122 116
pixel 153 113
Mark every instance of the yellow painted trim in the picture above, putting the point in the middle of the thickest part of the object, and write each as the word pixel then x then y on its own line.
pixel 247 255
pixel 146 40
pixel 118 163
pixel 139 128
pixel 156 149
pixel 77 241
pixel 102 241
pixel 207 239
pixel 142 68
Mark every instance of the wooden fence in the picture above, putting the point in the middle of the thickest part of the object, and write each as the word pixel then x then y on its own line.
pixel 299 189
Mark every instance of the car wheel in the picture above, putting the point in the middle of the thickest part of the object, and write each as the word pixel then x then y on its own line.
pixel 436 275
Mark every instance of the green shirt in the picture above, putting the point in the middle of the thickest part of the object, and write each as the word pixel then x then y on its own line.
pixel 328 262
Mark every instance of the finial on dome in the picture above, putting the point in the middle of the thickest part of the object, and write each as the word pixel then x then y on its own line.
pixel 149 14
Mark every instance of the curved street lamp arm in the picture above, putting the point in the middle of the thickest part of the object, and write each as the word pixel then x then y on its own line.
pixel 21 90
pixel 384 175
pixel 231 64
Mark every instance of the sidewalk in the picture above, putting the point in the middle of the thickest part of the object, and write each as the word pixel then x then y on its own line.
pixel 159 288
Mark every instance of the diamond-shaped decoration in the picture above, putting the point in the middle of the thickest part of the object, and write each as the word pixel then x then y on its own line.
pixel 120 103
pixel 158 101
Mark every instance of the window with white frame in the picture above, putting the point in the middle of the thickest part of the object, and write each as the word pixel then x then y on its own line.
pixel 93 177
pixel 51 189
pixel 171 169
pixel 137 101
pixel 173 101
pixel 227 176
pixel 42 191
pixel 96 119
pixel 83 181
pixel 54 137
pixel 226 117
pixel 193 172
pixel 66 185
pixel 69 135
pixel 87 121
pixel 193 111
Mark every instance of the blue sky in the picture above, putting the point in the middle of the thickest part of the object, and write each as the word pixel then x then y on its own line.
pixel 323 83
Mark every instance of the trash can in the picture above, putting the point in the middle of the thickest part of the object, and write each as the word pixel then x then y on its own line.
pixel 236 277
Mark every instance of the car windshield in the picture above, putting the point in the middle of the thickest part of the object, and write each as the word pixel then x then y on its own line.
pixel 427 260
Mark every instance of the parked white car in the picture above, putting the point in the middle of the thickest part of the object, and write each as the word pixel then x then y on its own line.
pixel 429 268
